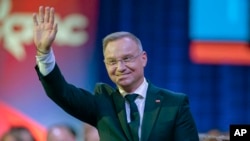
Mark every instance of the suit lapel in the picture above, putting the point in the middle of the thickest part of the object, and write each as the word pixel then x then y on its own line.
pixel 152 107
pixel 120 110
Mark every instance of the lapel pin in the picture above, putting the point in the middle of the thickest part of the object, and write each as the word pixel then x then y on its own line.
pixel 157 100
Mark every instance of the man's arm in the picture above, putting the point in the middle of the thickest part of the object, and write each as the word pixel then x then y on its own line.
pixel 185 129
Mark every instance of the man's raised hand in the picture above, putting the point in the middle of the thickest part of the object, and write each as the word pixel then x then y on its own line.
pixel 44 29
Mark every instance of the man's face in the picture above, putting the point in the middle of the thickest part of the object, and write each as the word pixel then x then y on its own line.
pixel 125 63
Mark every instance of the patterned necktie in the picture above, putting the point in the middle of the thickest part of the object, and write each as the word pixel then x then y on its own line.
pixel 134 116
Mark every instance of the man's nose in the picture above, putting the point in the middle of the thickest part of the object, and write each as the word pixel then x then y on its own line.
pixel 121 65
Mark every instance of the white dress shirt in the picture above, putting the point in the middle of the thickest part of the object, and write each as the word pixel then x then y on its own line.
pixel 140 102
pixel 46 63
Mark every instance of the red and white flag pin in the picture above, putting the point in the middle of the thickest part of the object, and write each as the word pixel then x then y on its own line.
pixel 157 100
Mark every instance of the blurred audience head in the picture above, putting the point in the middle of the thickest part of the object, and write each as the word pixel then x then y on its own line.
pixel 214 135
pixel 61 132
pixel 90 133
pixel 18 133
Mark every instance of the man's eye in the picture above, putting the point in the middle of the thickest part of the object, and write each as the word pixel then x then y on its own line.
pixel 126 59
pixel 112 61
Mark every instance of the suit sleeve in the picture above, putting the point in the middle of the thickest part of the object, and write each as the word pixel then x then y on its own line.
pixel 185 126
pixel 75 101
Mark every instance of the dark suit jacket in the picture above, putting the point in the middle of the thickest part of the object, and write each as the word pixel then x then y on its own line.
pixel 167 115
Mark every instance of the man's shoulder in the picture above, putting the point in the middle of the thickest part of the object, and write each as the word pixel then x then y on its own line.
pixel 103 88
pixel 167 93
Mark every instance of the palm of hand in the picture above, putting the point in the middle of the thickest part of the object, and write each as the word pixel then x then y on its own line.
pixel 44 35
pixel 44 30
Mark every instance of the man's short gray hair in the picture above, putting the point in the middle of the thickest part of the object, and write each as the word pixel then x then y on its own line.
pixel 118 35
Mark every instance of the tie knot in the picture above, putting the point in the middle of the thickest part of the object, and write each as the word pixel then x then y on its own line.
pixel 131 97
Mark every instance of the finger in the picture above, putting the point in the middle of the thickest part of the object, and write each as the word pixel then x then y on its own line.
pixel 35 19
pixel 54 29
pixel 41 14
pixel 47 14
pixel 52 15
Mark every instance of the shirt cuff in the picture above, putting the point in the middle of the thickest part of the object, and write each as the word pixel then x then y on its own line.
pixel 46 63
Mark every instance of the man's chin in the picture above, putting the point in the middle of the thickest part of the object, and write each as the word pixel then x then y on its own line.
pixel 123 83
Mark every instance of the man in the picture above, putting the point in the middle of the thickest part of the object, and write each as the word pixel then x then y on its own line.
pixel 135 111
pixel 61 132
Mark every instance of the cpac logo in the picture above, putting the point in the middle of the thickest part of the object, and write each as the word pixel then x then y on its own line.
pixel 16 30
